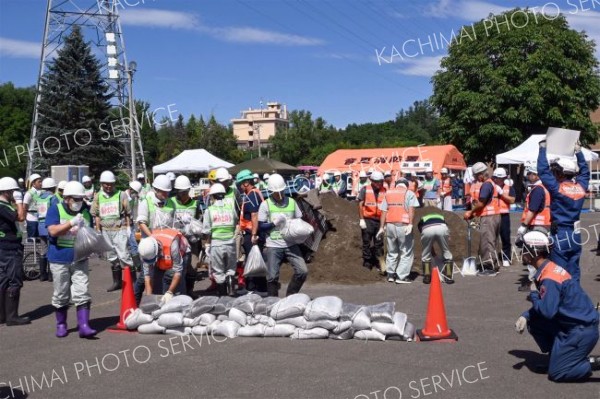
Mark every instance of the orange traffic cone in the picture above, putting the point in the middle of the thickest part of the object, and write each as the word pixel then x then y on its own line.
pixel 127 301
pixel 436 326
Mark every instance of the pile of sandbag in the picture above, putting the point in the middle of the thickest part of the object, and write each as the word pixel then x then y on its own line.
pixel 296 316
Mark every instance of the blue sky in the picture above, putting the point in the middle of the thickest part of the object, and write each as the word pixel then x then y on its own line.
pixel 321 55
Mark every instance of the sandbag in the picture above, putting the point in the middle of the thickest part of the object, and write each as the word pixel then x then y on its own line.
pixel 151 328
pixel 279 330
pixel 261 319
pixel 179 303
pixel 257 330
pixel 255 264
pixel 324 308
pixel 348 334
pixel 298 321
pixel 362 319
pixel 170 320
pixel 342 326
pixel 222 317
pixel 150 303
pixel 211 327
pixel 395 329
pixel 179 331
pixel 223 305
pixel 369 335
pixel 226 329
pixel 88 242
pixel 409 331
pixel 188 322
pixel 291 306
pixel 200 330
pixel 296 231
pixel 136 319
pixel 349 310
pixel 383 312
pixel 238 316
pixel 246 303
pixel 206 319
pixel 313 333
pixel 265 305
pixel 326 324
pixel 202 305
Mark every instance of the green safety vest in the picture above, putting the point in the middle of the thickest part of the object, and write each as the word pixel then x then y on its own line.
pixel 289 212
pixel 17 225
pixel 168 208
pixel 33 206
pixel 433 216
pixel 189 208
pixel 230 198
pixel 336 185
pixel 43 205
pixel 58 197
pixel 325 186
pixel 109 208
pixel 222 221
pixel 68 240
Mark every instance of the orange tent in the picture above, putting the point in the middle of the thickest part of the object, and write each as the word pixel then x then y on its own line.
pixel 409 159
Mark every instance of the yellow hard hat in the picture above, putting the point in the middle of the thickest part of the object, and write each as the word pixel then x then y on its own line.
pixel 212 175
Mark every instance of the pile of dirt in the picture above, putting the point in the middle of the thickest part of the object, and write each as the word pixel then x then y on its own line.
pixel 339 257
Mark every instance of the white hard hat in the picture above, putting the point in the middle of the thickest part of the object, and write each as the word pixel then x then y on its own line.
pixel 376 176
pixel 34 177
pixel 500 173
pixel 255 175
pixel 135 186
pixel 141 176
pixel 21 180
pixel 222 175
pixel 48 182
pixel 276 183
pixel 531 169
pixel 84 179
pixel 326 176
pixel 182 183
pixel 444 170
pixel 266 176
pixel 568 165
pixel 74 189
pixel 387 173
pixel 162 182
pixel 216 188
pixel 337 173
pixel 479 167
pixel 362 174
pixel 8 184
pixel 62 184
pixel 107 177
pixel 148 249
pixel 535 241
pixel 371 170
pixel 171 175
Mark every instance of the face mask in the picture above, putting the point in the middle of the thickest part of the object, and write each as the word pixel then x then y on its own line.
pixel 218 202
pixel 75 206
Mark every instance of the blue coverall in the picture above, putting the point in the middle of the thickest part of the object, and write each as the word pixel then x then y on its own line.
pixel 565 207
pixel 564 322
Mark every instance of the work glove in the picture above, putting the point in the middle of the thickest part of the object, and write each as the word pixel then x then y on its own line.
pixel 408 229
pixel 543 144
pixel 379 234
pixel 166 298
pixel 521 230
pixel 207 249
pixel 577 147
pixel 185 218
pixel 279 221
pixel 521 324
pixel 77 220
pixel 499 190
pixel 509 182
pixel 362 224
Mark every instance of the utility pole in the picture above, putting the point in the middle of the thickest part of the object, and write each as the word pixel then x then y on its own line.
pixel 258 137
pixel 132 115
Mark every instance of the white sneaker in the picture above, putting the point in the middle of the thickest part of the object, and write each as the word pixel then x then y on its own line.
pixel 506 263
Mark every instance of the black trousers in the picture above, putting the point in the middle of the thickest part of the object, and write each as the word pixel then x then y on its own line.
pixel 11 270
pixel 254 283
pixel 505 236
pixel 371 247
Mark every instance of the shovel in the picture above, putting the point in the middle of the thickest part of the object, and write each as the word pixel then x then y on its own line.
pixel 469 268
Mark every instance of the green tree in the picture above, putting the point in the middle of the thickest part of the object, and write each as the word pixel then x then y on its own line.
pixel 496 90
pixel 16 108
pixel 74 104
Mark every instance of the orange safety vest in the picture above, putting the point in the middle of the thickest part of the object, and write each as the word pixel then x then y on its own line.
pixel 493 207
pixel 167 238
pixel 555 273
pixel 244 223
pixel 446 187
pixel 371 205
pixel 542 218
pixel 396 202
pixel 571 190
pixel 504 206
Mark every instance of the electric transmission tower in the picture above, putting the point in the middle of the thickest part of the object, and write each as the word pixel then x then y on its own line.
pixel 100 24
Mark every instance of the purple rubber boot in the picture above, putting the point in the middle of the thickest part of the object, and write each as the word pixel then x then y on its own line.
pixel 83 319
pixel 61 322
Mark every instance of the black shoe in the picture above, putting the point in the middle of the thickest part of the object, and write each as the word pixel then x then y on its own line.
pixel 229 283
pixel 117 279
pixel 12 310
pixel 427 279
pixel 595 363
pixel 43 265
pixel 221 289
pixel 391 277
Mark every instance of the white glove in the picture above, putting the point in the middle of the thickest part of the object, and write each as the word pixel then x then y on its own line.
pixel 362 224
pixel 77 220
pixel 379 234
pixel 185 218
pixel 521 324
pixel 577 147
pixel 499 189
pixel 166 297
pixel 408 229
pixel 509 182
pixel 521 230
pixel 279 221
pixel 543 144
pixel 207 249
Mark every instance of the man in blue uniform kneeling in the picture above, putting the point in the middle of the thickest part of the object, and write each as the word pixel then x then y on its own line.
pixel 563 321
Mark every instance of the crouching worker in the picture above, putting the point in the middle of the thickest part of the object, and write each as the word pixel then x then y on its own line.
pixel 433 229
pixel 220 221
pixel 272 215
pixel 562 320
pixel 71 281
pixel 163 252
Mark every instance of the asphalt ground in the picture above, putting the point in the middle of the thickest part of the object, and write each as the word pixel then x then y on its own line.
pixel 490 360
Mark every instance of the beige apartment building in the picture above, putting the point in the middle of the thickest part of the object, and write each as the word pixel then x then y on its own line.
pixel 256 125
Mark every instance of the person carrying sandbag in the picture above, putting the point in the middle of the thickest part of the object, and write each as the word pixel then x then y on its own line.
pixel 71 277
pixel 272 215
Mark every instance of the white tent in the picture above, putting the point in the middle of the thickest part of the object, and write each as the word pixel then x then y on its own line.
pixel 198 160
pixel 527 152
